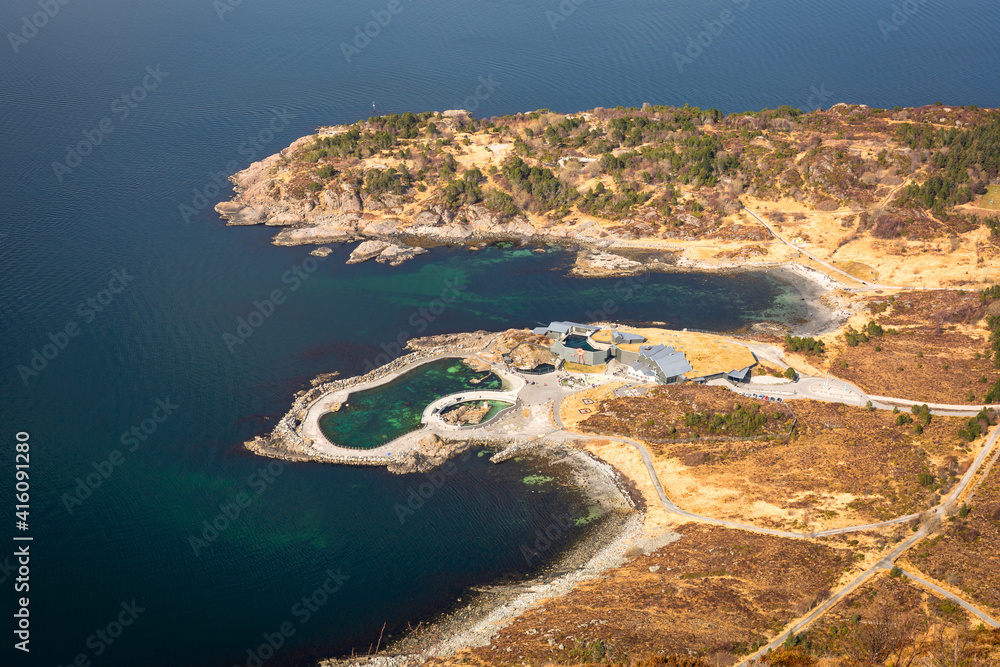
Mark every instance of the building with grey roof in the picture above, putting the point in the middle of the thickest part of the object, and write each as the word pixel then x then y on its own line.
pixel 559 329
pixel 625 337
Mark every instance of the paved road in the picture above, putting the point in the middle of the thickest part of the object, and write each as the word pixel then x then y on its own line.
pixel 887 562
pixel 839 391
pixel 986 618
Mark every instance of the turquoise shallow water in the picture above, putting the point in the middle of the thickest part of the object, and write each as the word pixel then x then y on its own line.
pixel 191 279
pixel 373 417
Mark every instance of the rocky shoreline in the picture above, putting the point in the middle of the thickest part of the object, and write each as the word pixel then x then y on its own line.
pixel 485 610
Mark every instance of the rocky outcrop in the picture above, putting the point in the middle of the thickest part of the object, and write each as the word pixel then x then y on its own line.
pixel 531 356
pixel 341 213
pixel 596 263
pixel 367 250
pixel 466 414
pixel 430 453
pixel 384 252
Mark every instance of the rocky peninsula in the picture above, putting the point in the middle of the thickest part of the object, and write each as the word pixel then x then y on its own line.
pixel 848 191
pixel 726 531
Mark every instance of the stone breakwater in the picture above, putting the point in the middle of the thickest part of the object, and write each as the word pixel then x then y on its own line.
pixel 286 442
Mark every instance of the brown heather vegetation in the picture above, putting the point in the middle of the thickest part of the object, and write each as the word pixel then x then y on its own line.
pixel 715 593
pixel 858 184
pixel 965 555
pixel 842 465
pixel 901 622
pixel 929 351
pixel 887 621
pixel 685 411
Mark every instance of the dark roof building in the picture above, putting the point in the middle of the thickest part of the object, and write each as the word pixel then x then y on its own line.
pixel 557 329
pixel 625 337
pixel 665 362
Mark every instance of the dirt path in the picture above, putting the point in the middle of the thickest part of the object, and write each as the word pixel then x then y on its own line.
pixel 865 286
pixel 887 562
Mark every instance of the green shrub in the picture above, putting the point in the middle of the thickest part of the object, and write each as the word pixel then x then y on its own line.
pixel 922 413
pixel 501 203
pixel 325 172
pixel 811 345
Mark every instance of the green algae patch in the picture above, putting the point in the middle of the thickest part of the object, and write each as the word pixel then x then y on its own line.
pixel 535 480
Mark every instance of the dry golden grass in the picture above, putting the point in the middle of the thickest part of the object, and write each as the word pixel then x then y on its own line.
pixel 932 358
pixel 588 401
pixel 991 200
pixel 859 270
pixel 843 465
pixel 572 367
pixel 708 354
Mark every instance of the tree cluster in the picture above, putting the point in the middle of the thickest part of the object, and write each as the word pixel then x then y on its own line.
pixel 809 344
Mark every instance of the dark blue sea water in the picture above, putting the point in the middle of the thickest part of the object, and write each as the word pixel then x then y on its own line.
pixel 209 80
